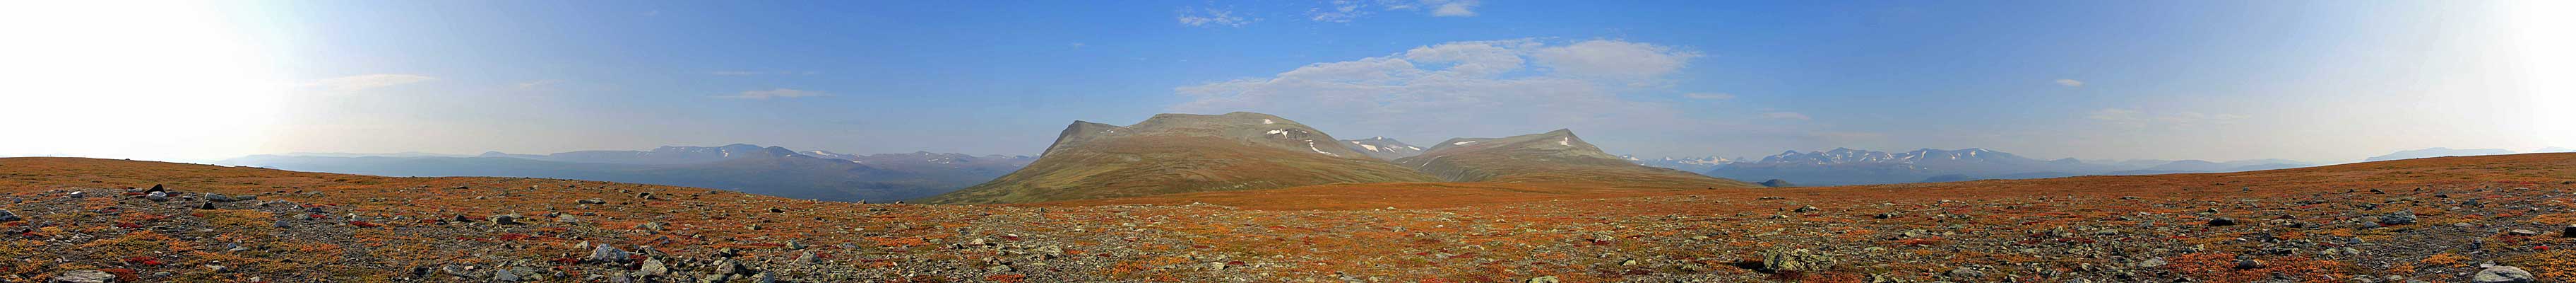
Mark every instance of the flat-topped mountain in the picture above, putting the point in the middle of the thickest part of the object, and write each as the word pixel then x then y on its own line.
pixel 1555 156
pixel 1176 153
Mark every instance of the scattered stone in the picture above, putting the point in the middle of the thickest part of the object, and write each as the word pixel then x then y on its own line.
pixel 1965 272
pixel 1795 260
pixel 506 219
pixel 2522 232
pixel 2222 221
pixel 1544 279
pixel 653 267
pixel 591 201
pixel 607 253
pixel 157 196
pixel 2503 274
pixel 215 197
pixel 5 216
pixel 2249 264
pixel 504 275
pixel 83 276
pixel 2399 218
pixel 1804 209
pixel 2149 263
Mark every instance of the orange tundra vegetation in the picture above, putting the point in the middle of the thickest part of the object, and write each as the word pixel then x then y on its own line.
pixel 2319 224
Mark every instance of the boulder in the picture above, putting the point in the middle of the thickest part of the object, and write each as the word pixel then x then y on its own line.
pixel 83 276
pixel 2502 274
pixel 2398 218
pixel 1795 260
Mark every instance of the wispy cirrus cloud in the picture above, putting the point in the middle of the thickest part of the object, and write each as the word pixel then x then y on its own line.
pixel 351 84
pixel 758 73
pixel 2070 82
pixel 1212 17
pixel 1343 11
pixel 1709 96
pixel 536 84
pixel 1785 116
pixel 774 93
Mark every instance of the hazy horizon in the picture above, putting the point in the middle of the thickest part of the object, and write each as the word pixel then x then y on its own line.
pixel 2313 81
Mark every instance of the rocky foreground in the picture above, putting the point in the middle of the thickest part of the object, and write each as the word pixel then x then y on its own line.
pixel 2462 219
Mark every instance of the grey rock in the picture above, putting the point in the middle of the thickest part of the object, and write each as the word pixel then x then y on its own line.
pixel 653 267
pixel 2398 218
pixel 607 253
pixel 83 276
pixel 1544 279
pixel 1795 260
pixel 2502 274
pixel 157 196
pixel 1965 272
pixel 2149 263
pixel 5 216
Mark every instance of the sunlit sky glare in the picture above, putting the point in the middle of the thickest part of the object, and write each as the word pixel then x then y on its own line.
pixel 2318 81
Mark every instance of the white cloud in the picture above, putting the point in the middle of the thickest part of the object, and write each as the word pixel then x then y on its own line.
pixel 2115 115
pixel 1709 96
pixel 1343 11
pixel 2070 82
pixel 1212 16
pixel 1635 63
pixel 1457 89
pixel 774 93
pixel 1785 116
pixel 356 83
pixel 538 83
pixel 756 73
pixel 1456 8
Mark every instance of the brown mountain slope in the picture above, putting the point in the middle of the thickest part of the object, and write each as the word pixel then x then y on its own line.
pixel 1551 157
pixel 1179 153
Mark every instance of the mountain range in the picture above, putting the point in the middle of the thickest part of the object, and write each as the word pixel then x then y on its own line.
pixel 1179 153
pixel 1844 166
pixel 2440 152
pixel 1552 157
pixel 1693 164
pixel 775 171
pixel 1382 148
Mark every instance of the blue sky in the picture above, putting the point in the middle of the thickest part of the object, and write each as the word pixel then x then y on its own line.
pixel 2309 80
